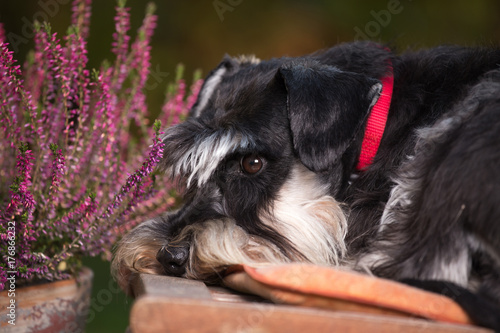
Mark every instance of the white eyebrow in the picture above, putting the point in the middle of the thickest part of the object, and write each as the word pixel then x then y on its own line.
pixel 203 158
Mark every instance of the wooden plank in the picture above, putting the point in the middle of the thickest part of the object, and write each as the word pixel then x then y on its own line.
pixel 152 313
pixel 226 295
pixel 169 304
pixel 168 286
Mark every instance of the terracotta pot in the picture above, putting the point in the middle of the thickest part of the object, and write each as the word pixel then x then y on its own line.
pixel 59 306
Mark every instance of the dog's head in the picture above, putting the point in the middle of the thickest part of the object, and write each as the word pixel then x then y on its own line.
pixel 264 152
pixel 267 147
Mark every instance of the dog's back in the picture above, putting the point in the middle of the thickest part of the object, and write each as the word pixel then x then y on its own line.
pixel 439 158
pixel 429 85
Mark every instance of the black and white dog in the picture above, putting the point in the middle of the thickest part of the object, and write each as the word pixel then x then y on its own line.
pixel 349 156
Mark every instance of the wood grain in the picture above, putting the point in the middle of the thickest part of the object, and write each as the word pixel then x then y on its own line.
pixel 167 304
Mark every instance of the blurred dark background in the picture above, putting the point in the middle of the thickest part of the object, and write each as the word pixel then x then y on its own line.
pixel 198 33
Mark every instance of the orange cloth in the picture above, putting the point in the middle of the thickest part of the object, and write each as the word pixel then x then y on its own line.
pixel 337 289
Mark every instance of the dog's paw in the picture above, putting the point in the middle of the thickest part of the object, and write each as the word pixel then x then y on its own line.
pixel 174 258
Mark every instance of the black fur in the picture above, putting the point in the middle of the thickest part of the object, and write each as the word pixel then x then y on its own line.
pixel 442 134
pixel 482 311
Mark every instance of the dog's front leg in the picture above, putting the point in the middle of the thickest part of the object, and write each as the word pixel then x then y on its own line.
pixel 137 251
pixel 482 311
pixel 174 253
pixel 157 246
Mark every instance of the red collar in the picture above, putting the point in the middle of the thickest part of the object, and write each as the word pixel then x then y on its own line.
pixel 375 125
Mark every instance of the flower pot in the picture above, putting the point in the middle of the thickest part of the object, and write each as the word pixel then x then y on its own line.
pixel 59 306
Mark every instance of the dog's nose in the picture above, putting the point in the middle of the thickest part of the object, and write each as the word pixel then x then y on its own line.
pixel 174 258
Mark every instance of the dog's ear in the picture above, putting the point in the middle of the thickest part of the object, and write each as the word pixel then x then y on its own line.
pixel 227 66
pixel 326 108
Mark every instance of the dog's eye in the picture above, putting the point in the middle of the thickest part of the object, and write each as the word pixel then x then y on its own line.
pixel 251 164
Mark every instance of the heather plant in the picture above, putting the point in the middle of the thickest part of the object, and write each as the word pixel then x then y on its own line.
pixel 72 176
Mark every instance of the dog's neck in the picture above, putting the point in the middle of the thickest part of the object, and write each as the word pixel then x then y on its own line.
pixel 375 125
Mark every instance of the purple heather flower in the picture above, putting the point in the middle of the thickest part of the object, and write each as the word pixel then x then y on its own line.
pixel 120 44
pixel 174 107
pixel 73 179
pixel 81 17
pixel 10 96
pixel 141 47
pixel 2 40
pixel 58 168
pixel 155 155
pixel 195 90
pixel 140 54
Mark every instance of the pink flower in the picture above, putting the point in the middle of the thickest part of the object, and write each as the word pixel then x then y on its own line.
pixel 81 17
pixel 2 40
pixel 71 181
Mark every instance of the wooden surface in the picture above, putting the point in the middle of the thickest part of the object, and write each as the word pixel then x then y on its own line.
pixel 168 304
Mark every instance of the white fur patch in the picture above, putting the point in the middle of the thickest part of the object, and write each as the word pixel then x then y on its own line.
pixel 217 244
pixel 368 261
pixel 410 184
pixel 208 90
pixel 303 213
pixel 204 157
pixel 375 92
pixel 249 59
pixel 401 196
pixel 455 270
pixel 309 218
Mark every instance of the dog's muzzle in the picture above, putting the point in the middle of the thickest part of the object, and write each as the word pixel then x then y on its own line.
pixel 203 206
